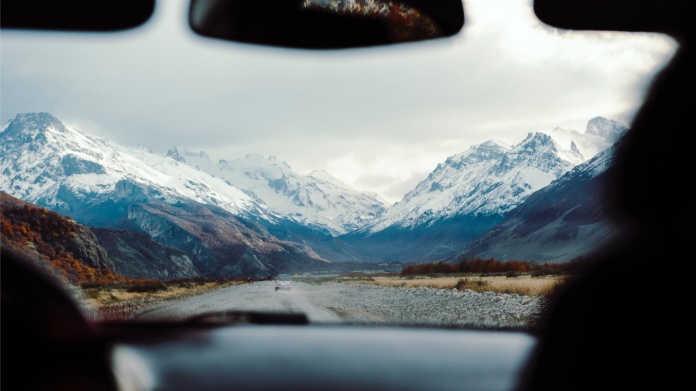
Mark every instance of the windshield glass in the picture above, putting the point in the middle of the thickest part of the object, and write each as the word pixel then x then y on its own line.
pixel 160 175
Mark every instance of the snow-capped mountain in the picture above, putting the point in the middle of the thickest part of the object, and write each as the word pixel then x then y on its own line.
pixel 316 200
pixel 48 163
pixel 268 208
pixel 564 220
pixel 487 179
pixel 103 184
pixel 600 134
pixel 470 193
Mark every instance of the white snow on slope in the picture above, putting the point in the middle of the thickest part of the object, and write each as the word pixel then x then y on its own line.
pixel 315 200
pixel 492 178
pixel 488 179
pixel 40 155
pixel 600 134
pixel 36 162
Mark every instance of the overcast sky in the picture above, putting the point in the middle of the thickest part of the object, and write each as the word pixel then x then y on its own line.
pixel 377 119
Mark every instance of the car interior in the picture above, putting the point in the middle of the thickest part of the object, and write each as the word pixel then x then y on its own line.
pixel 608 329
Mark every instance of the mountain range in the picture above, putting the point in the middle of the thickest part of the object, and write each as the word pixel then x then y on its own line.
pixel 560 222
pixel 256 216
pixel 466 195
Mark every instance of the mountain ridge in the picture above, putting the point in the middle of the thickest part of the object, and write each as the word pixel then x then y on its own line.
pixel 563 221
pixel 102 183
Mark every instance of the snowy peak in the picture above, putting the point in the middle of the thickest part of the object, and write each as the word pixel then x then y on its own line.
pixel 200 159
pixel 315 200
pixel 174 154
pixel 257 167
pixel 24 128
pixel 35 123
pixel 535 144
pixel 537 138
pixel 324 176
pixel 592 167
pixel 274 159
pixel 600 134
pixel 486 151
pixel 541 146
pixel 606 129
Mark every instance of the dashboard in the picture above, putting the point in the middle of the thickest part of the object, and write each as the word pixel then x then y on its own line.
pixel 322 357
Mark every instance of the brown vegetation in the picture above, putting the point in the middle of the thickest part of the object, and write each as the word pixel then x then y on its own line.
pixel 493 267
pixel 44 234
pixel 524 284
pixel 120 301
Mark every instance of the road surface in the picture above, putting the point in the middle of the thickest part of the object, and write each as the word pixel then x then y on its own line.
pixel 257 296
pixel 358 303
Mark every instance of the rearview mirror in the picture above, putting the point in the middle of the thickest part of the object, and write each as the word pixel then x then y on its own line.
pixel 326 24
pixel 75 15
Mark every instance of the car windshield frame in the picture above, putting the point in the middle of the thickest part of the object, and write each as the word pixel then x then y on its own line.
pixel 361 276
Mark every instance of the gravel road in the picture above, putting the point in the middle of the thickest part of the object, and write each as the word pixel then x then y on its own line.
pixel 360 303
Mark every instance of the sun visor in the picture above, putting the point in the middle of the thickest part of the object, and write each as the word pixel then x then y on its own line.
pixel 673 17
pixel 75 15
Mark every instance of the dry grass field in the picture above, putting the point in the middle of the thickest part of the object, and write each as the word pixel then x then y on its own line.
pixel 522 284
pixel 105 296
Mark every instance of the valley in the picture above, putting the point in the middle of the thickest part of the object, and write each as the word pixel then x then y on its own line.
pixel 181 215
pixel 353 303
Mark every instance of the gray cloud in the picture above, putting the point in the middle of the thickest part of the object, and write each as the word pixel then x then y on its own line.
pixel 399 109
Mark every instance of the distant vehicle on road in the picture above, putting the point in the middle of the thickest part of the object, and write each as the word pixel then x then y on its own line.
pixel 283 281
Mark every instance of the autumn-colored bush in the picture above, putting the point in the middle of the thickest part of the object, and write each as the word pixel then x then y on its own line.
pixel 466 283
pixel 429 268
pixel 43 233
pixel 491 267
pixel 148 287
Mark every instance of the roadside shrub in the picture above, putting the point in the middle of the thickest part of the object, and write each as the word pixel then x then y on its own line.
pixel 474 285
pixel 316 280
pixel 491 267
pixel 89 285
pixel 544 272
pixel 355 274
pixel 91 293
pixel 148 287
